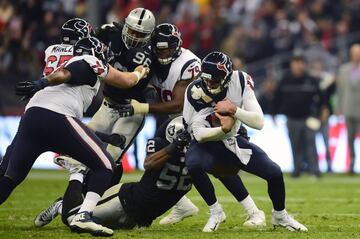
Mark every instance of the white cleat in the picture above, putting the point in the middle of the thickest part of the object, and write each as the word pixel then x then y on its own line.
pixel 83 223
pixel 46 216
pixel 216 217
pixel 256 220
pixel 72 165
pixel 287 222
pixel 180 211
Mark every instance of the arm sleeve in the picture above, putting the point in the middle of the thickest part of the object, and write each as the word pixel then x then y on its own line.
pixel 203 134
pixel 81 73
pixel 252 114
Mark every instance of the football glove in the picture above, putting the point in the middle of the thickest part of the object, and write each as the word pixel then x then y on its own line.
pixel 132 108
pixel 29 88
pixel 117 140
pixel 182 139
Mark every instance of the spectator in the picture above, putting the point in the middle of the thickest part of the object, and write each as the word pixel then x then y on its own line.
pixel 298 97
pixel 348 88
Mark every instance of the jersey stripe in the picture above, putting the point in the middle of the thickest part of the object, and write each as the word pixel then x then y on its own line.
pixel 90 142
pixel 141 16
pixel 242 81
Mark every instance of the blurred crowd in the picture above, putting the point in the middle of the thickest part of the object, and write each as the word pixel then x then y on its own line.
pixel 261 36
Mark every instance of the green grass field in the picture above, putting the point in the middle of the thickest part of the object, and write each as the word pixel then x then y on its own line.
pixel 330 208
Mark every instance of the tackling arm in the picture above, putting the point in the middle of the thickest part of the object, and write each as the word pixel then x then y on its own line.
pixel 176 104
pixel 125 79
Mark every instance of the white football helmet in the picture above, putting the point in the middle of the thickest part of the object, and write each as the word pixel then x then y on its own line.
pixel 174 126
pixel 138 27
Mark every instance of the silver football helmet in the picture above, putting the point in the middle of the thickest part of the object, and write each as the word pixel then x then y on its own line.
pixel 138 27
pixel 174 126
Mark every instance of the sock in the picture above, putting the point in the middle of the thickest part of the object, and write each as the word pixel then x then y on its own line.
pixel 90 201
pixel 60 209
pixel 182 201
pixel 249 205
pixel 215 207
pixel 279 214
pixel 77 176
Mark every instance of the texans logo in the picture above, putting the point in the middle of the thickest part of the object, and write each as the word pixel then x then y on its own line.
pixel 222 67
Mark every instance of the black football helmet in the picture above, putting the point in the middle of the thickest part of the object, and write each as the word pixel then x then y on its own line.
pixel 74 30
pixel 216 71
pixel 91 46
pixel 166 43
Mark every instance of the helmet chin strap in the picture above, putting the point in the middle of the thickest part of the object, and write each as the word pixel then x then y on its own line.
pixel 215 91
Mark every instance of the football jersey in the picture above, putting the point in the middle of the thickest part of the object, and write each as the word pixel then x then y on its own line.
pixel 184 67
pixel 158 190
pixel 125 60
pixel 56 55
pixel 198 105
pixel 68 99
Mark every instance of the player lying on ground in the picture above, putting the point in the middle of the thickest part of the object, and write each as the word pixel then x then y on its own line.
pixel 127 205
pixel 218 149
pixel 52 123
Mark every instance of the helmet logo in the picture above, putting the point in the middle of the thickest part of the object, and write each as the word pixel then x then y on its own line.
pixel 222 67
pixel 171 130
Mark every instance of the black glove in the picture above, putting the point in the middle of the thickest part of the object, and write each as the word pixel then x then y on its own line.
pixel 125 110
pixel 118 140
pixel 182 139
pixel 29 88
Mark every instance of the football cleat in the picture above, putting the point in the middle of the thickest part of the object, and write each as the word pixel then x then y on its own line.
pixel 288 222
pixel 84 223
pixel 216 217
pixel 256 220
pixel 70 164
pixel 46 216
pixel 180 211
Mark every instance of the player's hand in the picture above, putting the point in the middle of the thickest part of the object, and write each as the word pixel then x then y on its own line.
pixel 142 71
pixel 117 140
pixel 29 88
pixel 182 139
pixel 227 122
pixel 225 107
pixel 133 107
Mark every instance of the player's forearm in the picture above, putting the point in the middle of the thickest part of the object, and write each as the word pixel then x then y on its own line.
pixel 158 159
pixel 170 107
pixel 121 79
pixel 252 119
pixel 208 134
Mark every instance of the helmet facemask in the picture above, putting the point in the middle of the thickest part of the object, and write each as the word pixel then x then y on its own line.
pixel 134 38
pixel 165 53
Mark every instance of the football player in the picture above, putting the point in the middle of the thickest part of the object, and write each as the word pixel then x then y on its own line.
pixel 51 122
pixel 229 96
pixel 128 46
pixel 164 182
pixel 173 68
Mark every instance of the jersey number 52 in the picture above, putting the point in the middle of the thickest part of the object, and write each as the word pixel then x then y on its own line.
pixel 174 177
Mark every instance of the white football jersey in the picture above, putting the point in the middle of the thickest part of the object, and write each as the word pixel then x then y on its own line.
pixel 55 56
pixel 67 99
pixel 184 67
pixel 198 106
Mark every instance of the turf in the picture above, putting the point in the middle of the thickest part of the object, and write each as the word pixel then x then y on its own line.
pixel 329 208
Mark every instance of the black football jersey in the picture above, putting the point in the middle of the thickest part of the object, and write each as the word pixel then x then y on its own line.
pixel 158 190
pixel 125 60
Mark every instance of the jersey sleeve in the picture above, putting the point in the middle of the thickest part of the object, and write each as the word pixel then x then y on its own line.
pixel 98 67
pixel 190 69
pixel 155 144
pixel 81 73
